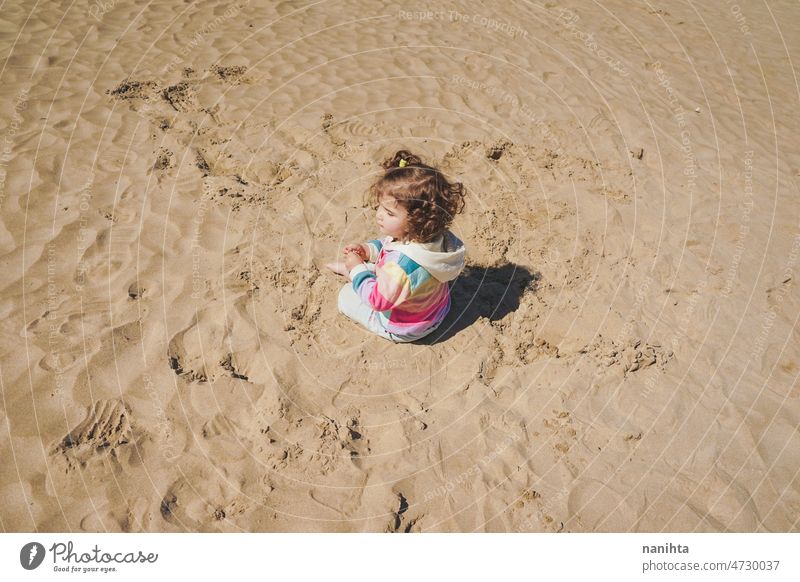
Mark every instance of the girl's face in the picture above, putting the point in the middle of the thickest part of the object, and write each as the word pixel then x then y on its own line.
pixel 391 218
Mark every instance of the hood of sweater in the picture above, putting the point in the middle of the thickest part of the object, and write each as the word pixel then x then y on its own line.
pixel 443 258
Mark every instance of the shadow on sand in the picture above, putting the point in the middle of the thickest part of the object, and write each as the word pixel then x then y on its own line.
pixel 491 292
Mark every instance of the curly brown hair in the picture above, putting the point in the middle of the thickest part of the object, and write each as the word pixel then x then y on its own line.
pixel 430 200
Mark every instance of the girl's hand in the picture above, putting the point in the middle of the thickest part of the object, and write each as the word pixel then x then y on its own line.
pixel 361 250
pixel 351 259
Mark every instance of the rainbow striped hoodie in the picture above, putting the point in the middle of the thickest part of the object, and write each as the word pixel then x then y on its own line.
pixel 409 286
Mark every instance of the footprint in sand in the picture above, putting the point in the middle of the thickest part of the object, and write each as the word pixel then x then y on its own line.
pixel 202 502
pixel 401 522
pixel 143 289
pixel 78 337
pixel 562 430
pixel 631 356
pixel 93 319
pixel 224 439
pixel 195 352
pixel 59 361
pixel 340 131
pixel 105 431
pixel 232 75
pixel 110 254
pixel 183 96
pixel 532 513
pixel 348 437
pixel 131 89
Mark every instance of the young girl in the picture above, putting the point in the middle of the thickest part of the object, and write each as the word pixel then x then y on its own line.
pixel 399 286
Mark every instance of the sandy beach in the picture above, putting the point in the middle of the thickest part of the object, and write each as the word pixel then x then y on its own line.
pixel 622 353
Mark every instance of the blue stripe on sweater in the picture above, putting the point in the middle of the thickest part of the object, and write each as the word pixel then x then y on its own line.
pixel 416 274
pixel 360 277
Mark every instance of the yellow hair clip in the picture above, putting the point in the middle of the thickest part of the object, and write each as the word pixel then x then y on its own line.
pixel 402 163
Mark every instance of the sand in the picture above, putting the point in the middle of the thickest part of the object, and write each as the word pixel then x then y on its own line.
pixel 622 352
